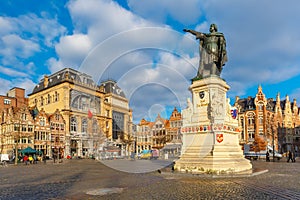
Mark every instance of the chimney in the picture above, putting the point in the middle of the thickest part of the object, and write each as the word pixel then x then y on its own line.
pixel 46 81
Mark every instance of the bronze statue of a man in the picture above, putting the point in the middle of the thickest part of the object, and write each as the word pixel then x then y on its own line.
pixel 212 51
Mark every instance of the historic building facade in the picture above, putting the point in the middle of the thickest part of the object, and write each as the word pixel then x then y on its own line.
pixel 276 122
pixel 162 134
pixel 66 113
pixel 174 142
pixel 159 132
pixel 17 129
pixel 24 127
pixel 17 125
pixel 121 125
pixel 81 103
pixel 143 136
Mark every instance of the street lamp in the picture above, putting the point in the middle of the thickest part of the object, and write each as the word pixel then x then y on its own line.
pixel 17 138
pixel 273 138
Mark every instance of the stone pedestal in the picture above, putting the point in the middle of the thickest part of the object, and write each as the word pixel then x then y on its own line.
pixel 210 131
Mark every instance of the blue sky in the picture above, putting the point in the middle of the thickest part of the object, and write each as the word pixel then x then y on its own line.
pixel 141 45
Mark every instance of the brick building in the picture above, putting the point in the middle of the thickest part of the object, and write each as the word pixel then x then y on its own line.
pixel 274 121
pixel 15 97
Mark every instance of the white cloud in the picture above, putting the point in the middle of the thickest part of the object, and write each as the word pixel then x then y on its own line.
pixel 5 86
pixel 262 46
pixel 54 65
pixel 11 72
pixel 164 83
pixel 95 22
pixel 25 83
pixel 6 26
pixel 14 45
pixel 152 62
pixel 186 12
pixel 136 52
pixel 22 38
pixel 72 49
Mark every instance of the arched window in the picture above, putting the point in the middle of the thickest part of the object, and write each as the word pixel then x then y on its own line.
pixel 42 101
pixel 49 99
pixel 73 124
pixel 56 96
pixel 95 126
pixel 84 125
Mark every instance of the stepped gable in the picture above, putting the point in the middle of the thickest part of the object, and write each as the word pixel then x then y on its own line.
pixel 283 103
pixel 175 115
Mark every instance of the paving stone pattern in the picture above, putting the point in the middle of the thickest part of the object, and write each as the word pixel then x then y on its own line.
pixel 90 179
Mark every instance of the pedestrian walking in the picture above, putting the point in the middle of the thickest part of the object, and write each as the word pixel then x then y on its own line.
pixel 132 156
pixel 267 157
pixel 44 158
pixel 293 157
pixel 34 159
pixel 289 156
pixel 173 167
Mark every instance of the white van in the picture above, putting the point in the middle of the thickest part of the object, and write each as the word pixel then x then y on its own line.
pixel 261 154
pixel 4 158
pixel 276 154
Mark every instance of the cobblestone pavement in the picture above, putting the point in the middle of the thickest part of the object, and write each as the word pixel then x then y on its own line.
pixel 90 179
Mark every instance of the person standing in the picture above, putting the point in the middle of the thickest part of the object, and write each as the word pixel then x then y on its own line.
pixel 293 157
pixel 25 159
pixel 289 156
pixel 44 158
pixel 267 156
pixel 30 158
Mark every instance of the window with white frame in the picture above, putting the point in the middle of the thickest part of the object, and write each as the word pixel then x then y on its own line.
pixel 84 125
pixel 73 124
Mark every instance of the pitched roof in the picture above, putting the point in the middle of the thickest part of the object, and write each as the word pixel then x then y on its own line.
pixel 110 86
pixel 66 74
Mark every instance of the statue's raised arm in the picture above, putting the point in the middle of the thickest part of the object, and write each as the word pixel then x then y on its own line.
pixel 198 35
pixel 213 55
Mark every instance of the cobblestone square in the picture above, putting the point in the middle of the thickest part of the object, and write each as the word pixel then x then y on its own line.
pixel 90 179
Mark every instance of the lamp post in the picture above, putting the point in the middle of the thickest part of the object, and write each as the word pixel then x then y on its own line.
pixel 17 142
pixel 273 138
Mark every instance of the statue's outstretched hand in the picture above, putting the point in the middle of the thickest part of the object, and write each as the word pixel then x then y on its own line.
pixel 186 30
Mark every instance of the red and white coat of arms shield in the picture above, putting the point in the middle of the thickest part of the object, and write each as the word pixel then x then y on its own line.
pixel 219 137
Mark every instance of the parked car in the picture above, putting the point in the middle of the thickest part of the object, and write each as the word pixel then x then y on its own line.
pixel 146 154
pixel 154 154
pixel 149 154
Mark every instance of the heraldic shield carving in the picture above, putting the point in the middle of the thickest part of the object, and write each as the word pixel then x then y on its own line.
pixel 219 137
pixel 201 94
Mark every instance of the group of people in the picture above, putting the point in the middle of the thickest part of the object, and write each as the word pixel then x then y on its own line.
pixel 33 159
pixel 290 156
